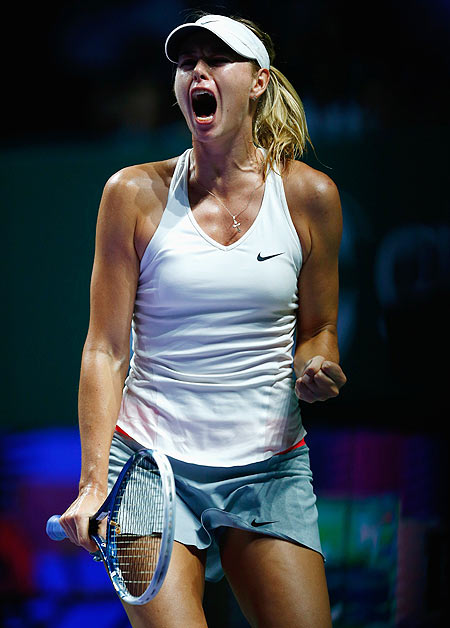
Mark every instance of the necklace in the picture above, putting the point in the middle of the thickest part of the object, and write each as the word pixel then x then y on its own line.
pixel 235 224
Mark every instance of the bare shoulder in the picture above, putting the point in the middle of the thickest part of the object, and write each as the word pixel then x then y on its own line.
pixel 140 186
pixel 134 199
pixel 310 190
pixel 314 203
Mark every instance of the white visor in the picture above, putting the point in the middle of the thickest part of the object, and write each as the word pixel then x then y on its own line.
pixel 235 34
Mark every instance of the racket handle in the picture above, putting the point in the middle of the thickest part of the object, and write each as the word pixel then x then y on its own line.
pixel 54 529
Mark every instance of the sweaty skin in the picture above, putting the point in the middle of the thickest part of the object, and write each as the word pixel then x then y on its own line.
pixel 227 163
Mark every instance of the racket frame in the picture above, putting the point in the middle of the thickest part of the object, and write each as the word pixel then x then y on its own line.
pixel 105 545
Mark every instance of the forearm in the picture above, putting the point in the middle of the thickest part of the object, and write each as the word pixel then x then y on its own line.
pixel 324 343
pixel 100 393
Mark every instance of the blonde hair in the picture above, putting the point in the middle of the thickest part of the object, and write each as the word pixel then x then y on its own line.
pixel 279 125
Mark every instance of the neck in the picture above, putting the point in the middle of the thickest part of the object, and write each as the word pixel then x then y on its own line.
pixel 221 168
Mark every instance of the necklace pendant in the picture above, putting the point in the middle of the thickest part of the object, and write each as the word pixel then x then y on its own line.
pixel 236 224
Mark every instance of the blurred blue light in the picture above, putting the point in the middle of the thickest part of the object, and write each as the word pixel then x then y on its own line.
pixel 52 572
pixel 50 455
pixel 97 612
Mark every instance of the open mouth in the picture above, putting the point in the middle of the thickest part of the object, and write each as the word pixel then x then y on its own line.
pixel 204 105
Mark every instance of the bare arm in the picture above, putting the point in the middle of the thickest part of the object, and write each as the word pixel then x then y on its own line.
pixel 106 352
pixel 316 359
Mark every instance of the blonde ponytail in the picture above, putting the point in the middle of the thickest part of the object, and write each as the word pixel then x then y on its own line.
pixel 279 125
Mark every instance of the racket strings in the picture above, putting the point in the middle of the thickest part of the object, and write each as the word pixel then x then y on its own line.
pixel 136 526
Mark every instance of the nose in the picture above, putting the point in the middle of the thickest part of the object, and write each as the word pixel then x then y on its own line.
pixel 201 70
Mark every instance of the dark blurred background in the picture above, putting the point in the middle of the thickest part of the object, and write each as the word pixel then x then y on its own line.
pixel 87 91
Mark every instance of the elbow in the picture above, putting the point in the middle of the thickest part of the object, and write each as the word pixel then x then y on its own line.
pixel 118 357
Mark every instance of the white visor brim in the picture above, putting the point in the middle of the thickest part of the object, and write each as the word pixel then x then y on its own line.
pixel 235 34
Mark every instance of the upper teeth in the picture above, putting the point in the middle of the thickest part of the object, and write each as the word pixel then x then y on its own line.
pixel 201 92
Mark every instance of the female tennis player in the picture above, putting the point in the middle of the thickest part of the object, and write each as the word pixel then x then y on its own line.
pixel 216 258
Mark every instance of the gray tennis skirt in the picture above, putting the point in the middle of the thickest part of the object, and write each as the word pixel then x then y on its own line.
pixel 273 497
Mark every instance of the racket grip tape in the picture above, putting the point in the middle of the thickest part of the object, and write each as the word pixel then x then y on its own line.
pixel 54 529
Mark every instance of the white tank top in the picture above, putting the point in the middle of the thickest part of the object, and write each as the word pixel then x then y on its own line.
pixel 211 378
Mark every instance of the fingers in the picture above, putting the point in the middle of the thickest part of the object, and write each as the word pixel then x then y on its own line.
pixel 75 521
pixel 77 530
pixel 320 380
pixel 318 387
pixel 334 372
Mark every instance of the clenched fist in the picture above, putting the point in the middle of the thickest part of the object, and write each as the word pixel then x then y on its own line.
pixel 320 380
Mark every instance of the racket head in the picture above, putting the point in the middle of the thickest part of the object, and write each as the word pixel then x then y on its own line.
pixel 140 513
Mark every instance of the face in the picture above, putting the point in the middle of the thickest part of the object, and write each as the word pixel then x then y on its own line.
pixel 213 86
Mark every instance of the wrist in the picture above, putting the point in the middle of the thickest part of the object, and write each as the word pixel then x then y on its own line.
pixel 92 488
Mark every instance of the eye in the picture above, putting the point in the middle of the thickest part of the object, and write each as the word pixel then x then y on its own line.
pixel 186 62
pixel 219 60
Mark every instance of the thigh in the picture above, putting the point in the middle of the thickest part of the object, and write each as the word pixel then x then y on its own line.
pixel 179 602
pixel 278 584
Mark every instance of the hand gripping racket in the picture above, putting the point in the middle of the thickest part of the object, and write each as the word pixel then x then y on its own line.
pixel 140 511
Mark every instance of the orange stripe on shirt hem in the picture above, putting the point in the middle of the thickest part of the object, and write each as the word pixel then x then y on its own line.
pixel 299 444
pixel 121 431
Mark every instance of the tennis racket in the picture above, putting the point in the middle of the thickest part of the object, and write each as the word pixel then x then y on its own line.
pixel 140 512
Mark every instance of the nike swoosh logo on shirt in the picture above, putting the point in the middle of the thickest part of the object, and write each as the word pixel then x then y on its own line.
pixel 260 258
pixel 256 524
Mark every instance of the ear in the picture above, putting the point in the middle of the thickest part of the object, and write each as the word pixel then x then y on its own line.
pixel 260 83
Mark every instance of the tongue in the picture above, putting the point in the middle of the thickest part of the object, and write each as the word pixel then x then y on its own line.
pixel 204 106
